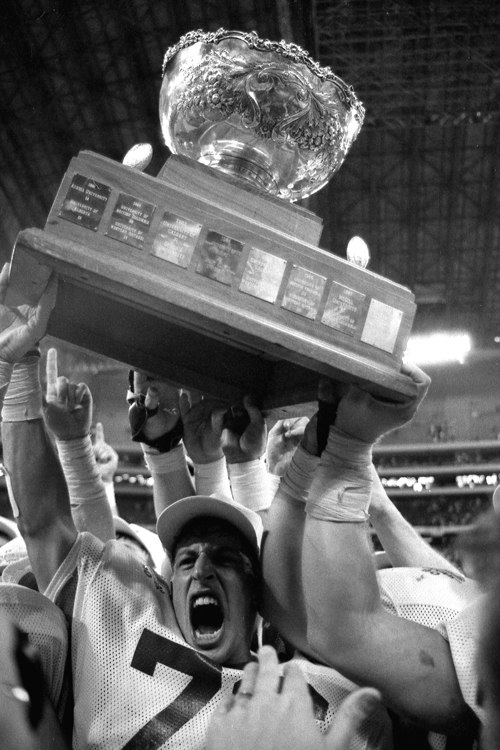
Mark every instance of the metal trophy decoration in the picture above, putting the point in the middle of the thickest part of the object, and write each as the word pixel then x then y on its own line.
pixel 259 110
pixel 208 274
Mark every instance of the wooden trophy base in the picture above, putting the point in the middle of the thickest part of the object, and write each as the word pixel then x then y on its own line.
pixel 193 277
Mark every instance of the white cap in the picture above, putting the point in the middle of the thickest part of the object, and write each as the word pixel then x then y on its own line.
pixel 177 515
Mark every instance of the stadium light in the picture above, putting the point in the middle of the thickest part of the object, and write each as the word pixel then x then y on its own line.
pixel 438 348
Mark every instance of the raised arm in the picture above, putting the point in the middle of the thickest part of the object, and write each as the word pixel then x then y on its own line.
pixel 68 416
pixel 400 540
pixel 37 488
pixel 347 627
pixel 155 423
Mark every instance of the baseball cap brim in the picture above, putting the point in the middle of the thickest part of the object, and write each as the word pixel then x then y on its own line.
pixel 177 515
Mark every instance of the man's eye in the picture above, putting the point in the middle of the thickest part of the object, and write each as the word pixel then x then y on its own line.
pixel 185 562
pixel 228 558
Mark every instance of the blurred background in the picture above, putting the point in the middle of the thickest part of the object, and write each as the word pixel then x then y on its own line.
pixel 421 186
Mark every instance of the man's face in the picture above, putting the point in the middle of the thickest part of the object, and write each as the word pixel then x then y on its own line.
pixel 212 593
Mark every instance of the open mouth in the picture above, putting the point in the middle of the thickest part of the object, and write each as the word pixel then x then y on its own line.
pixel 207 619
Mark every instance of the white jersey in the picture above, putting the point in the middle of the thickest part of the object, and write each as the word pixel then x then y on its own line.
pixel 463 633
pixel 443 600
pixel 137 684
pixel 46 627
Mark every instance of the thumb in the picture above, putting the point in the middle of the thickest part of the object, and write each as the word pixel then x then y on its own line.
pixel 356 708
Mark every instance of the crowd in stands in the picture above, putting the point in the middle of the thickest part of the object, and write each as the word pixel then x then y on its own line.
pixel 259 614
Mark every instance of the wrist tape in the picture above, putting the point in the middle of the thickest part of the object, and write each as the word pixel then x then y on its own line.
pixel 299 474
pixel 341 488
pixel 164 463
pixel 23 400
pixel 212 479
pixel 6 369
pixel 80 470
pixel 250 484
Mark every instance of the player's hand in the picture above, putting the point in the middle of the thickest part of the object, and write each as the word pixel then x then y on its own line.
pixel 155 408
pixel 22 327
pixel 262 716
pixel 67 406
pixel 202 423
pixel 106 457
pixel 282 441
pixel 251 444
pixel 367 418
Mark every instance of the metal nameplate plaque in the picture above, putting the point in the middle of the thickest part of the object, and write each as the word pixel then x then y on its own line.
pixel 263 275
pixel 304 292
pixel 85 202
pixel 343 309
pixel 382 325
pixel 130 220
pixel 176 239
pixel 219 257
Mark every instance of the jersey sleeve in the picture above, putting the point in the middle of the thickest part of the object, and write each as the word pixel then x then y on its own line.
pixel 463 632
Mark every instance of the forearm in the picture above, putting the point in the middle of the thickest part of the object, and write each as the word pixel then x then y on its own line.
pixel 171 478
pixel 283 600
pixel 251 486
pixel 87 493
pixel 212 479
pixel 403 544
pixel 39 496
pixel 346 624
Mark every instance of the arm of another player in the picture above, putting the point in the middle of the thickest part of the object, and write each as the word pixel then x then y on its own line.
pixel 68 416
pixel 410 664
pixel 402 543
pixel 37 488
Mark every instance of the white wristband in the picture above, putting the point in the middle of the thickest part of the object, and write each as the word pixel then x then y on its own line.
pixel 341 488
pixel 212 479
pixel 165 463
pixel 109 488
pixel 250 484
pixel 82 476
pixel 5 376
pixel 23 400
pixel 299 474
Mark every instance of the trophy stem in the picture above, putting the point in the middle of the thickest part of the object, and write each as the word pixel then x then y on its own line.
pixel 242 162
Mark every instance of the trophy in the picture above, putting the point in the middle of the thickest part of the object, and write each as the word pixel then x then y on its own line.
pixel 208 274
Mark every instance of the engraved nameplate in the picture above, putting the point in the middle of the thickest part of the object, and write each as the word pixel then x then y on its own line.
pixel 263 275
pixel 130 220
pixel 176 239
pixel 343 309
pixel 303 292
pixel 85 202
pixel 219 257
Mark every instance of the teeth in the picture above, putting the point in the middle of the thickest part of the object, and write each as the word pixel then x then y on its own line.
pixel 207 636
pixel 204 600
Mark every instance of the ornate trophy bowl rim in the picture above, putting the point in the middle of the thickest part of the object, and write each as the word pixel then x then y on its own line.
pixel 307 130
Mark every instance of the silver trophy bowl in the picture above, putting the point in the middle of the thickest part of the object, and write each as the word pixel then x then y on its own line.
pixel 261 111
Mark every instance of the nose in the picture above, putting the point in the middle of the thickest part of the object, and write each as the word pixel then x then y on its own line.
pixel 203 567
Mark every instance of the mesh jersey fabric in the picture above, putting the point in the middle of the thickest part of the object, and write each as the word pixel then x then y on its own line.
pixel 12 551
pixel 46 628
pixel 425 595
pixel 136 682
pixel 463 633
pixel 434 597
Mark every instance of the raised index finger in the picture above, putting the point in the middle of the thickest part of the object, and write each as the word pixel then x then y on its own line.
pixel 51 373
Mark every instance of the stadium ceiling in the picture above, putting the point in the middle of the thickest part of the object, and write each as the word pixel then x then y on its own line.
pixel 421 184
